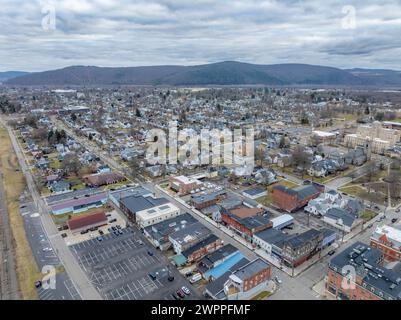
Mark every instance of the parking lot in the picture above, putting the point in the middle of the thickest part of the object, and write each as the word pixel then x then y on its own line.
pixel 119 266
pixel 44 254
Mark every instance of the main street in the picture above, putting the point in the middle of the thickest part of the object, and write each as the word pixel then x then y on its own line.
pixel 82 283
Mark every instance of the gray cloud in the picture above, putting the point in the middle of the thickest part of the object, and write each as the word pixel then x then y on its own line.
pixel 151 32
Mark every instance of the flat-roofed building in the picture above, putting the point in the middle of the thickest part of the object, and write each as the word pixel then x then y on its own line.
pixel 156 214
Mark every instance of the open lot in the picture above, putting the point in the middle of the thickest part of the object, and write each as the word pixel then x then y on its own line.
pixel 119 268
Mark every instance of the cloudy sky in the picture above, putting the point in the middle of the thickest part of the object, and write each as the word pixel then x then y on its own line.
pixel 40 35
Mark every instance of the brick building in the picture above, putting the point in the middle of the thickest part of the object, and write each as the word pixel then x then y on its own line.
pixel 207 200
pixel 293 199
pixel 388 240
pixel 244 224
pixel 202 248
pixel 184 185
pixel 357 273
pixel 248 280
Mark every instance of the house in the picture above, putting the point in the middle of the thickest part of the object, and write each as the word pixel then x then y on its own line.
pixel 43 163
pixel 255 193
pixel 185 238
pixel 388 240
pixel 132 204
pixel 158 233
pixel 294 199
pixel 245 221
pixel 341 219
pixel 265 176
pixel 199 250
pixel 155 171
pixel 329 237
pixel 101 179
pixel 59 186
pixel 301 247
pixel 371 281
pixel 248 280
pixel 85 222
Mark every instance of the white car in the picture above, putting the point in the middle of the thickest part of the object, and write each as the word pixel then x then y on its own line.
pixel 186 290
pixel 278 280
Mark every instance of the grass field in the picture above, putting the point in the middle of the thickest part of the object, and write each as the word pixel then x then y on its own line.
pixel 14 183
pixel 368 215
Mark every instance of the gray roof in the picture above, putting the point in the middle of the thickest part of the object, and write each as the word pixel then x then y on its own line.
pixel 162 229
pixel 139 203
pixel 302 192
pixel 338 213
pixel 192 233
pixel 367 263
pixel 209 240
pixel 70 195
pixel 254 191
pixel 251 269
pixel 219 254
pixel 130 191
pixel 299 239
pixel 272 236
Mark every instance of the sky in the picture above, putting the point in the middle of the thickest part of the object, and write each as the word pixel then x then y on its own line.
pixel 37 35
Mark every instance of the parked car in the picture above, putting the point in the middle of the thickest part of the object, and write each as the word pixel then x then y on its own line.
pixel 331 252
pixel 278 280
pixel 186 290
pixel 38 284
pixel 174 296
pixel 394 220
pixel 64 235
pixel 150 253
pixel 170 278
pixel 99 239
pixel 370 225
pixel 152 275
pixel 180 293
pixel 140 242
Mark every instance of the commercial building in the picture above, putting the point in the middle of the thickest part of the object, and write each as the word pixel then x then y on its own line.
pixel 186 238
pixel 255 193
pixel 116 195
pixel 272 241
pixel 85 222
pixel 282 221
pixel 293 199
pixel 102 179
pixel 158 233
pixel 184 185
pixel 245 221
pixel 323 137
pixel 135 203
pixel 379 137
pixel 300 248
pixel 248 280
pixel 207 200
pixel 202 248
pixel 150 216
pixel 388 240
pixel 79 205
pixel 357 273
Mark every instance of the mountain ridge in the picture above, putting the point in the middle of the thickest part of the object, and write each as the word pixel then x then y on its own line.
pixel 220 73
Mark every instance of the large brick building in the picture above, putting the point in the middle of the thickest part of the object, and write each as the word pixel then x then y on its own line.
pixel 245 221
pixel 293 199
pixel 357 273
pixel 388 240
pixel 199 250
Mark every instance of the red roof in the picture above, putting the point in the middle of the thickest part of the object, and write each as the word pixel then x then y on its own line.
pixel 87 220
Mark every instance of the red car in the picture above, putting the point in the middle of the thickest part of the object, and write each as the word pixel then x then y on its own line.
pixel 180 294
